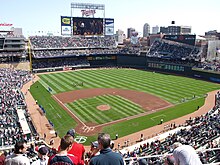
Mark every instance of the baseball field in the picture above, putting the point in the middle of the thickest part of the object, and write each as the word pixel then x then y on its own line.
pixel 120 101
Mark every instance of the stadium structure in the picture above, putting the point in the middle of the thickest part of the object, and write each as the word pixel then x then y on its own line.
pixel 84 80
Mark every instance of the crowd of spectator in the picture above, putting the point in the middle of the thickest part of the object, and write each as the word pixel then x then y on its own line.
pixel 63 62
pixel 129 50
pixel 11 35
pixel 71 53
pixel 13 54
pixel 169 49
pixel 11 81
pixel 72 42
pixel 210 66
pixel 200 133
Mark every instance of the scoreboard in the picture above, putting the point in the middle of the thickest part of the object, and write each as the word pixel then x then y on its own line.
pixel 164 66
pixel 87 26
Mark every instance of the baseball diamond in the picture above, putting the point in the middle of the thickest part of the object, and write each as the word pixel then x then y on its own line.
pixel 135 96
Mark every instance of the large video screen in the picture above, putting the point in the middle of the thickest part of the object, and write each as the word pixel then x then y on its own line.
pixel 87 26
pixel 186 39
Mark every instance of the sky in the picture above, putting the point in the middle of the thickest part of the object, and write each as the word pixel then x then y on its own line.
pixel 44 15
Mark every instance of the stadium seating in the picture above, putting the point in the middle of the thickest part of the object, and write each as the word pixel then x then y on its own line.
pixel 201 133
pixel 71 42
pixel 13 108
pixel 57 46
pixel 71 53
pixel 60 63
pixel 173 50
pixel 12 54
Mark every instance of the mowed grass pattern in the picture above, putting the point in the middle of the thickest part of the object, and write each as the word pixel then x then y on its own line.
pixel 86 109
pixel 168 87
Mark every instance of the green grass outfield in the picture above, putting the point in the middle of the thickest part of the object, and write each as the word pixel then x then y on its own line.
pixel 168 87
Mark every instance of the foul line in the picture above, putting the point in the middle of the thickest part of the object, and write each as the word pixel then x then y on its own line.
pixel 115 121
pixel 133 117
pixel 70 111
pixel 152 118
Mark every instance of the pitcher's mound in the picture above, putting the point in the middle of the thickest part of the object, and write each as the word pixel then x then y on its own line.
pixel 103 107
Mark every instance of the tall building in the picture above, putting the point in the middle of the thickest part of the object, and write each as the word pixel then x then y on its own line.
pixel 173 30
pixel 155 29
pixel 146 30
pixel 130 31
pixel 120 36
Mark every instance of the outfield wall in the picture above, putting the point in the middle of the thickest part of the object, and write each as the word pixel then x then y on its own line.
pixel 208 76
pixel 140 62
pixel 131 61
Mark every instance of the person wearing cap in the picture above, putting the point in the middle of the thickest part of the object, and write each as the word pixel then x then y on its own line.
pixel 185 155
pixel 17 157
pixel 63 157
pixel 77 149
pixel 42 155
pixel 106 156
pixel 94 151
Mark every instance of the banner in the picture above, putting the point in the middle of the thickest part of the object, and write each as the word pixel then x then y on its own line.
pixel 66 30
pixel 65 25
pixel 109 26
pixel 65 21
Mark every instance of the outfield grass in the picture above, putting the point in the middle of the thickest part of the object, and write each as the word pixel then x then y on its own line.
pixel 61 119
pixel 171 88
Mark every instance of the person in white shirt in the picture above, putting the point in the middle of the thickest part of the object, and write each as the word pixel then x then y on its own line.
pixel 42 155
pixel 185 155
pixel 18 158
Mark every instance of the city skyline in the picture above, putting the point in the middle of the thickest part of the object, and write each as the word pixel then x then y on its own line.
pixel 44 16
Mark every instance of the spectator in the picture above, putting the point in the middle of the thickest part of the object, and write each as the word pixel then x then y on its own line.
pixel 42 155
pixel 169 160
pixel 106 157
pixel 94 151
pixel 63 157
pixel 77 149
pixel 17 158
pixel 142 161
pixel 2 157
pixel 185 155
